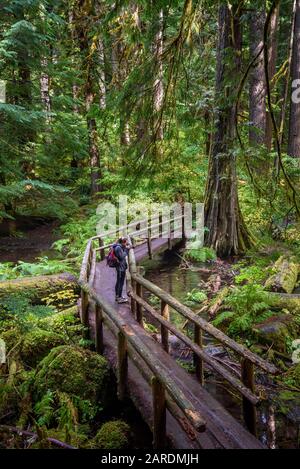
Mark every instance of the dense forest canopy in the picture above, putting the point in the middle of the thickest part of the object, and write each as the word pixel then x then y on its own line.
pixel 158 98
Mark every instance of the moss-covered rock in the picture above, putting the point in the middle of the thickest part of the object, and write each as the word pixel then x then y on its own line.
pixel 112 435
pixel 66 322
pixel 285 277
pixel 276 331
pixel 31 347
pixel 75 371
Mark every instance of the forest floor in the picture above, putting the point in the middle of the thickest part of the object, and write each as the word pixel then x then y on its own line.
pixel 27 245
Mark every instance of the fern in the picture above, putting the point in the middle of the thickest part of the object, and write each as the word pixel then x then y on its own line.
pixel 44 409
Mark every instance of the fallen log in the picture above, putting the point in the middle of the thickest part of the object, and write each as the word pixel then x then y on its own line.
pixel 25 433
pixel 37 288
pixel 217 302
pixel 285 277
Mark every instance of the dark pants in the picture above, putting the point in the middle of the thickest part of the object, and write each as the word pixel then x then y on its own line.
pixel 120 283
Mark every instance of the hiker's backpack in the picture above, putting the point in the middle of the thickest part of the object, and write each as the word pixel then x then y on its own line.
pixel 112 260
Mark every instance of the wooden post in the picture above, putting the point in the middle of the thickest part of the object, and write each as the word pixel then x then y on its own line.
pixel 198 362
pixel 164 331
pixel 99 329
pixel 139 309
pixel 149 244
pixel 122 366
pixel 159 414
pixel 249 409
pixel 133 302
pixel 85 312
pixel 160 228
pixel 183 225
pixel 102 252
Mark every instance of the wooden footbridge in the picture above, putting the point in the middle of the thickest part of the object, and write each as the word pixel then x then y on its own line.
pixel 175 405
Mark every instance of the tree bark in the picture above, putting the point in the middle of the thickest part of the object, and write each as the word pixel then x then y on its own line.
pixel 84 13
pixel 227 233
pixel 158 86
pixel 294 122
pixel 273 47
pixel 257 107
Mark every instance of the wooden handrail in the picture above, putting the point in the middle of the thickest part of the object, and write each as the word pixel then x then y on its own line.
pixel 84 272
pixel 238 385
pixel 153 363
pixel 204 325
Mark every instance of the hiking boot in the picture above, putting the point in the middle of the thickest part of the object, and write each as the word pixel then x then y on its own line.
pixel 122 300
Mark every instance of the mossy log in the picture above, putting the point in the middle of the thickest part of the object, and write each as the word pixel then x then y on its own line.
pixel 37 288
pixel 285 277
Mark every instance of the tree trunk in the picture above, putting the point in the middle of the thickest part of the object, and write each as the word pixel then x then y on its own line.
pixel 158 86
pixel 226 230
pixel 285 91
pixel 102 82
pixel 86 9
pixel 93 141
pixel 294 124
pixel 273 46
pixel 257 107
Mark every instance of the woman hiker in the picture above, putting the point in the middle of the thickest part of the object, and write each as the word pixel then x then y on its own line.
pixel 121 249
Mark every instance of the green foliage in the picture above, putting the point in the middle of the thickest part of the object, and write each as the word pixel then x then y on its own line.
pixel 87 376
pixel 43 266
pixel 17 311
pixel 200 255
pixel 196 296
pixel 248 305
pixel 113 435
pixel 253 274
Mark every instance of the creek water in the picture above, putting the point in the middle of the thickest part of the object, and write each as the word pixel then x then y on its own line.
pixel 276 428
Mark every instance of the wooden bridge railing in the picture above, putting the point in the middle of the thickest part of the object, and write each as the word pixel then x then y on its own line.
pixel 165 392
pixel 244 384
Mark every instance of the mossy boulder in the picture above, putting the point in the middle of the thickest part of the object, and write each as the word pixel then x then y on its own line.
pixel 276 330
pixel 32 346
pixel 113 435
pixel 66 322
pixel 75 371
pixel 285 277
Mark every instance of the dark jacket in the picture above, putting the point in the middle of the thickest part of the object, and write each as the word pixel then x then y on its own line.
pixel 121 254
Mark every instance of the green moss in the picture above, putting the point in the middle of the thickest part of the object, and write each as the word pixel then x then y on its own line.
pixel 31 347
pixel 292 377
pixel 285 275
pixel 75 371
pixel 113 435
pixel 66 322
